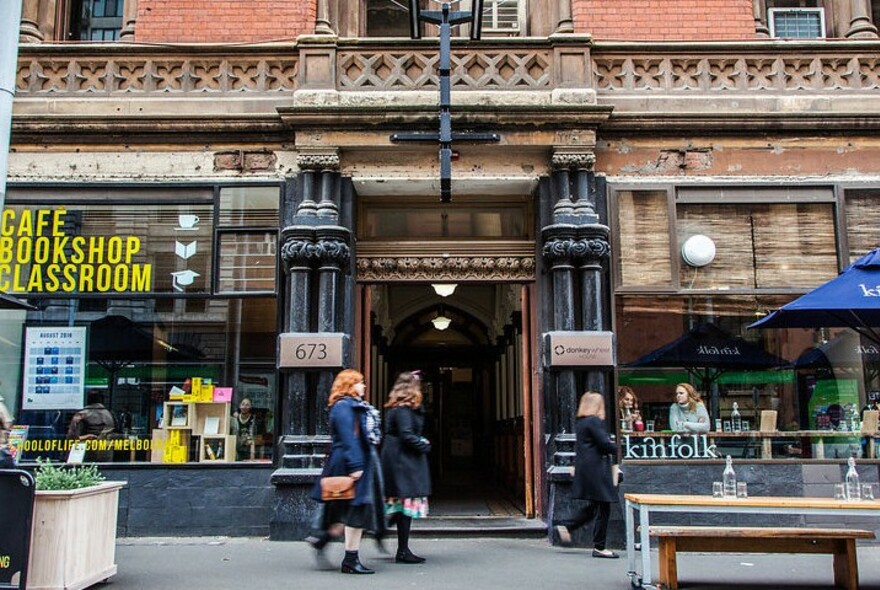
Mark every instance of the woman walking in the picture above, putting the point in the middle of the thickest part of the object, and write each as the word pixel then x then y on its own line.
pixel 405 461
pixel 349 455
pixel 592 474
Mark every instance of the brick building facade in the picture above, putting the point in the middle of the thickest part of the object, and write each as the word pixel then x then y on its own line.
pixel 263 132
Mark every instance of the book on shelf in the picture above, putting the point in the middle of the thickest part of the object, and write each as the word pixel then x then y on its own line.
pixel 214 450
pixel 212 425
pixel 15 441
pixel 179 415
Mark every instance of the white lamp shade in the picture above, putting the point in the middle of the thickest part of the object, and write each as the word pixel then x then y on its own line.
pixel 441 322
pixel 444 289
pixel 698 250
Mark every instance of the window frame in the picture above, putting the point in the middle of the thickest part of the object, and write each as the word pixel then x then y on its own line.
pixel 673 190
pixel 212 292
pixel 771 21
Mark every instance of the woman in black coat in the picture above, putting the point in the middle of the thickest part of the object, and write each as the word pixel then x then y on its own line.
pixel 592 474
pixel 349 455
pixel 405 461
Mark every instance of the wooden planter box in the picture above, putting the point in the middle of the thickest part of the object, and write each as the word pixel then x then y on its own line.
pixel 73 542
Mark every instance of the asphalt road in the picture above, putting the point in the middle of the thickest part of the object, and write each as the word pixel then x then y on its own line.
pixel 454 564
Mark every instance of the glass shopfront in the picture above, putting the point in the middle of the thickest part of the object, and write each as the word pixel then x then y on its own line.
pixel 154 328
pixel 682 318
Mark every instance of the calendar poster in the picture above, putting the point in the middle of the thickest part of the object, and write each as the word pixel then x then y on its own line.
pixel 54 370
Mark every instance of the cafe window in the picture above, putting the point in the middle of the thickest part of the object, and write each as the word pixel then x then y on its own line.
pixel 813 384
pixel 175 384
pixel 119 241
pixel 808 388
pixel 125 283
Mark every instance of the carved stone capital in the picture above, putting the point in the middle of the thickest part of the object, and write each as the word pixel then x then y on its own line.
pixel 573 160
pixel 591 249
pixel 312 247
pixel 577 250
pixel 297 253
pixel 332 253
pixel 318 162
pixel 442 268
pixel 559 251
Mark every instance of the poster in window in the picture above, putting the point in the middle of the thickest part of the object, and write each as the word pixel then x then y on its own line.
pixel 54 368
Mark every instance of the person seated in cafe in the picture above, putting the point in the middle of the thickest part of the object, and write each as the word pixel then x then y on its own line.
pixel 246 429
pixel 627 405
pixel 688 413
pixel 93 423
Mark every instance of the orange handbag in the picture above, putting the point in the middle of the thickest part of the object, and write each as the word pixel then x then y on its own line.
pixel 337 488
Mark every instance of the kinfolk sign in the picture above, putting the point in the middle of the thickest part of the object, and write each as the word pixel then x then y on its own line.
pixel 298 350
pixel 579 349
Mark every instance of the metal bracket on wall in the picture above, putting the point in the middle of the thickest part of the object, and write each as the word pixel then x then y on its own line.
pixel 445 19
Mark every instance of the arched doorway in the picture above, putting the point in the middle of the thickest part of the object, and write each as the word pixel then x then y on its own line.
pixel 476 384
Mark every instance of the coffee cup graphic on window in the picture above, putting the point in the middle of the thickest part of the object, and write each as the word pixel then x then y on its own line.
pixel 187 221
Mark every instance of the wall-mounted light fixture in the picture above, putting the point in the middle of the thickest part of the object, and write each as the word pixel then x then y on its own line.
pixel 698 250
pixel 444 289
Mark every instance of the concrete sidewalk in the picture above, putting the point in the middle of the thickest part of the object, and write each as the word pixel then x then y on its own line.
pixel 453 564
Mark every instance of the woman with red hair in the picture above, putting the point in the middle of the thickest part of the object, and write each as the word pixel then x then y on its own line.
pixel 349 455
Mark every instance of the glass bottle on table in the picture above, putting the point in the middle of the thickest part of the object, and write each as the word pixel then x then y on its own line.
pixel 728 479
pixel 735 418
pixel 853 488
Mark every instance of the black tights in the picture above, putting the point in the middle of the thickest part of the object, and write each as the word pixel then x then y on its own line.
pixel 404 524
pixel 587 512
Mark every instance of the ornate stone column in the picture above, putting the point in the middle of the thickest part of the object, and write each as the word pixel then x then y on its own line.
pixel 129 18
pixel 316 252
pixel 576 244
pixel 861 27
pixel 297 254
pixel 759 10
pixel 30 23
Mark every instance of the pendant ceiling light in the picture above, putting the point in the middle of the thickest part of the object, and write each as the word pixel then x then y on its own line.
pixel 444 289
pixel 441 322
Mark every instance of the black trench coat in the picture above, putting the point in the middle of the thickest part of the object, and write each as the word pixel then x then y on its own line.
pixel 405 454
pixel 592 466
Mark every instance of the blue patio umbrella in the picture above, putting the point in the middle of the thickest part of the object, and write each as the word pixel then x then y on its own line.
pixel 850 300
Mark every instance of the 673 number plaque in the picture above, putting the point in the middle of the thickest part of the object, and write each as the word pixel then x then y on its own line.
pixel 305 350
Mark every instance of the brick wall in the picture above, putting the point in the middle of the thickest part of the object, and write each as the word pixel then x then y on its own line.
pixel 223 21
pixel 664 20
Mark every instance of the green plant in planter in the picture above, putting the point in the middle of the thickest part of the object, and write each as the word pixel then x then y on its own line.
pixel 50 477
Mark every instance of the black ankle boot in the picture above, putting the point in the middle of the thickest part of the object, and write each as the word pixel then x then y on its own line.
pixel 352 565
pixel 408 556
pixel 319 540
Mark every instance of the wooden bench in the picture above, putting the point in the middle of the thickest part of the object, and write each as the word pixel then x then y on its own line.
pixel 841 543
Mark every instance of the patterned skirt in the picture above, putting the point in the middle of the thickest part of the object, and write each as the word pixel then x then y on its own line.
pixel 412 507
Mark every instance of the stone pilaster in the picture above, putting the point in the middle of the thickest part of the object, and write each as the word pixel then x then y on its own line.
pixel 759 11
pixel 860 26
pixel 129 19
pixel 30 32
pixel 316 254
pixel 575 248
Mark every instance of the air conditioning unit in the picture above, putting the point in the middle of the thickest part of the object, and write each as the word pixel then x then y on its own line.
pixel 797 23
